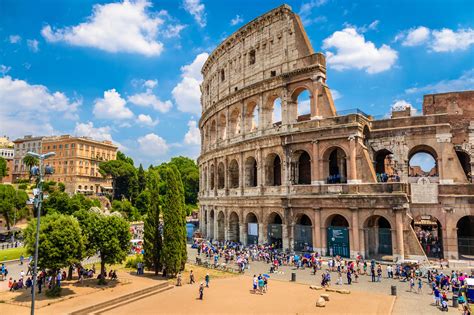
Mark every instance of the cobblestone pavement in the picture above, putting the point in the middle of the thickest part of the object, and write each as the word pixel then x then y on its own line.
pixel 406 303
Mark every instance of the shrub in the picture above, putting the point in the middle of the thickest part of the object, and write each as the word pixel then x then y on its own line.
pixel 133 261
pixel 23 186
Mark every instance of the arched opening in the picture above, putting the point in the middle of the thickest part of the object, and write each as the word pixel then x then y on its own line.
pixel 220 176
pixel 422 162
pixel 337 166
pixel 465 161
pixel 366 133
pixel 378 237
pixel 213 176
pixel 303 234
pixel 384 166
pixel 275 230
pixel 251 119
pixel 233 174
pixel 235 122
pixel 273 170
pixel 251 223
pixel 276 113
pixel 302 168
pixel 211 224
pixel 204 180
pixel 338 236
pixel 465 227
pixel 302 97
pixel 212 132
pixel 221 226
pixel 222 130
pixel 429 233
pixel 234 234
pixel 250 172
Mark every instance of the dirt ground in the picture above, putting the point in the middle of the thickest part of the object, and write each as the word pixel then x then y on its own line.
pixel 233 296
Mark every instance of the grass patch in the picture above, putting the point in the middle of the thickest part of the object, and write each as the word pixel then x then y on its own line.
pixel 12 253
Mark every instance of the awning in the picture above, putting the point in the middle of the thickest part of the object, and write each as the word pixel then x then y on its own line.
pixel 426 222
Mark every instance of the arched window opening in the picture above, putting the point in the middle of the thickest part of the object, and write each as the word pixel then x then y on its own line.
pixel 213 131
pixel 275 230
pixel 222 127
pixel 465 227
pixel 303 234
pixel 422 163
pixel 252 57
pixel 234 234
pixel 222 75
pixel 378 237
pixel 235 122
pixel 220 176
pixel 338 236
pixel 250 172
pixel 303 169
pixel 273 170
pixel 276 114
pixel 204 180
pixel 252 117
pixel 213 176
pixel 233 174
pixel 221 226
pixel 366 136
pixel 211 224
pixel 465 161
pixel 385 166
pixel 337 167
pixel 304 105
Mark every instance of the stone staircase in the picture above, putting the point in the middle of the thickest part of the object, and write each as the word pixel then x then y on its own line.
pixel 123 300
pixel 413 249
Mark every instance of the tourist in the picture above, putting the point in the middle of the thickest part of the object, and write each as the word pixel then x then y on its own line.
pixel 379 273
pixel 255 284
pixel 420 285
pixel 10 284
pixel 339 278
pixel 412 284
pixel 39 281
pixel 390 271
pixel 114 275
pixel 191 277
pixel 207 279
pixel 58 279
pixel 178 279
pixel 139 268
pixel 349 277
pixel 22 274
pixel 261 284
pixel 372 273
pixel 437 296
pixel 22 259
pixel 201 291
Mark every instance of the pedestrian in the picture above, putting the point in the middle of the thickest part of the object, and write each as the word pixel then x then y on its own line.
pixel 372 273
pixel 22 274
pixel 349 276
pixel 420 285
pixel 412 284
pixel 201 291
pixel 22 259
pixel 207 279
pixel 379 273
pixel 261 284
pixel 59 277
pixel 339 278
pixel 255 284
pixel 191 277
pixel 178 279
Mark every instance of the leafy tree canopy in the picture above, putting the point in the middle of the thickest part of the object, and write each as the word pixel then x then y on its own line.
pixel 3 168
pixel 12 200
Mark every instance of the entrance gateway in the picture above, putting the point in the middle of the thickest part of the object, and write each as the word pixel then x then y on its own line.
pixel 338 241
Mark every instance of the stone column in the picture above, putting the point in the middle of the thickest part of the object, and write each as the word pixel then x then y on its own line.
pixel 352 160
pixel 242 235
pixel 399 224
pixel 260 166
pixel 242 118
pixel 208 227
pixel 292 236
pixel 261 118
pixel 355 231
pixel 317 230
pixel 216 230
pixel 315 168
pixel 284 237
pixel 261 237
pixel 242 174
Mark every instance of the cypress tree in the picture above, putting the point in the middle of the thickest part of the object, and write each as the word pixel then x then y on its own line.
pixel 152 240
pixel 182 211
pixel 172 222
pixel 141 179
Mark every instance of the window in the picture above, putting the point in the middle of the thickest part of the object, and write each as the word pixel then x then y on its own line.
pixel 66 146
pixel 252 57
pixel 54 146
pixel 222 75
pixel 273 73
pixel 73 145
pixel 60 146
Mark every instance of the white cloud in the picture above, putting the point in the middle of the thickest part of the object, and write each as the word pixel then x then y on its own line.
pixel 354 52
pixel 447 40
pixel 14 39
pixel 336 94
pixel 148 99
pixel 150 84
pixel 416 36
pixel 236 20
pixel 126 26
pixel 463 83
pixel 187 93
pixel 111 106
pixel 193 136
pixel 306 10
pixel 88 130
pixel 172 31
pixel 197 10
pixel 152 145
pixel 33 45
pixel 401 105
pixel 146 120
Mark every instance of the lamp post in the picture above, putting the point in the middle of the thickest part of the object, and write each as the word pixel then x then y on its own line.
pixel 40 173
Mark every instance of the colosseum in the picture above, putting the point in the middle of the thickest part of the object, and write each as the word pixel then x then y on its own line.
pixel 333 182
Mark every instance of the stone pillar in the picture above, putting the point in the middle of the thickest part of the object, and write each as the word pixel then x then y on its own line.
pixel 242 118
pixel 317 245
pixel 352 160
pixel 399 223
pixel 315 168
pixel 227 124
pixel 355 231
pixel 208 227
pixel 226 176
pixel 362 242
pixel 284 237
pixel 242 174
pixel 261 237
pixel 292 236
pixel 226 227
pixel 216 230
pixel 260 166
pixel 242 234
pixel 324 240
pixel 261 118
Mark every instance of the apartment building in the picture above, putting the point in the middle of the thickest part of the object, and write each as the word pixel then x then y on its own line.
pixel 22 146
pixel 7 153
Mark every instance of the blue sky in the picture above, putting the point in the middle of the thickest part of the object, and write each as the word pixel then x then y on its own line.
pixel 130 71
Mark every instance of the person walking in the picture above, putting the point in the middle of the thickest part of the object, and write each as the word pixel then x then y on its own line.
pixel 191 277
pixel 412 284
pixel 420 285
pixel 372 273
pixel 207 279
pixel 349 276
pixel 201 291
pixel 255 284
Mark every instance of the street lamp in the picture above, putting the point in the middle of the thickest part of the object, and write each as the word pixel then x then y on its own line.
pixel 40 172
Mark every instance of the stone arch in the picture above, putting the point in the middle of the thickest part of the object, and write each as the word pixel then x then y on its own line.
pixel 302 98
pixel 302 168
pixel 428 155
pixel 465 234
pixel 465 161
pixel 222 127
pixel 273 170
pixel 303 232
pixel 366 135
pixel 233 174
pixel 204 179
pixel 251 172
pixel 384 165
pixel 220 176
pixel 251 116
pixel 338 239
pixel 234 122
pixel 234 233
pixel 220 226
pixel 335 164
pixel 378 236
pixel 212 132
pixel 251 228
pixel 211 224
pixel 213 176
pixel 272 111
pixel 429 232
pixel 275 229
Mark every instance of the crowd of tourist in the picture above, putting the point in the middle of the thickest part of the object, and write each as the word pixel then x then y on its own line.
pixel 430 242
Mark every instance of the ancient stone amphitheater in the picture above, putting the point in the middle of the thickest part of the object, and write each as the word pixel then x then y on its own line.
pixel 303 176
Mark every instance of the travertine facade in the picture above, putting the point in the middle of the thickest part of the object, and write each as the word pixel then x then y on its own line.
pixel 341 184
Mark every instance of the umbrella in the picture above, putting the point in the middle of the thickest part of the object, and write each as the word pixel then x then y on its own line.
pixel 265 275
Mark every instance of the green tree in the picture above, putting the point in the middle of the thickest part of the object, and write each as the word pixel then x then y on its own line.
pixel 189 173
pixel 143 201
pixel 122 157
pixel 152 239
pixel 174 228
pixel 141 176
pixel 123 176
pixel 107 235
pixel 3 168
pixel 11 201
pixel 30 161
pixel 61 242
pixel 60 202
pixel 126 208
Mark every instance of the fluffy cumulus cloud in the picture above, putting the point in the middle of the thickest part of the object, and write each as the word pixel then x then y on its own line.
pixel 126 26
pixel 152 145
pixel 33 45
pixel 463 83
pixel 193 136
pixel 352 51
pixel 112 106
pixel 444 40
pixel 187 93
pixel 197 9
pixel 401 105
pixel 14 39
pixel 89 130
pixel 29 108
pixel 146 120
pixel 148 99
pixel 236 20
